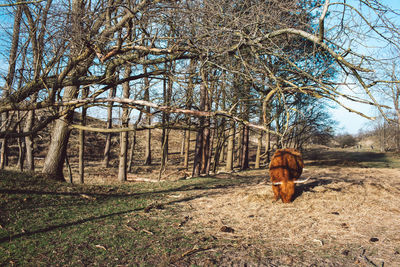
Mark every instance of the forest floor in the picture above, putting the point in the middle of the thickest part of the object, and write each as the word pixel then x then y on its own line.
pixel 346 214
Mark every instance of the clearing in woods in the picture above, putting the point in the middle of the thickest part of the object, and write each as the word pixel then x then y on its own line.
pixel 347 214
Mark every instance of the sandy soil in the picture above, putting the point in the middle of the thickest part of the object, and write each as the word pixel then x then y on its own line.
pixel 341 216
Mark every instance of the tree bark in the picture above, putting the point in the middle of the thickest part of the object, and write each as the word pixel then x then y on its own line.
pixel 258 153
pixel 197 152
pixel 132 151
pixel 205 155
pixel 210 149
pixel 199 157
pixel 107 147
pixel 239 149
pixel 167 93
pixel 203 134
pixel 21 147
pixel 219 148
pixel 189 96
pixel 244 162
pixel 29 143
pixel 230 147
pixel 187 149
pixel 147 156
pixel 133 144
pixel 55 158
pixel 182 150
pixel 124 141
pixel 85 93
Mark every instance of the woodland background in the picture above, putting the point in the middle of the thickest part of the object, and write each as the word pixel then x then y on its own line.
pixel 218 71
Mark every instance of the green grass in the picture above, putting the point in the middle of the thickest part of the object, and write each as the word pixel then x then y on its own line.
pixel 44 222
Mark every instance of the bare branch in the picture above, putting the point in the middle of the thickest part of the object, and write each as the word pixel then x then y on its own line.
pixel 321 21
pixel 21 3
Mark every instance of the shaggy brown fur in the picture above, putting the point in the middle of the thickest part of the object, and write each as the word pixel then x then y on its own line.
pixel 285 167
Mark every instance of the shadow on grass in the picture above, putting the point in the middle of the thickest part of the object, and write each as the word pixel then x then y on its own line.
pixel 94 218
pixel 18 186
pixel 309 187
pixel 344 158
pixel 204 183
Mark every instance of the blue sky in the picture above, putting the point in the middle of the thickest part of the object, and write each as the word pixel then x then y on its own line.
pixel 352 123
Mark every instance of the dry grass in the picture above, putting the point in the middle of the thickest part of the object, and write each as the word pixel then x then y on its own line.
pixel 347 214
pixel 341 216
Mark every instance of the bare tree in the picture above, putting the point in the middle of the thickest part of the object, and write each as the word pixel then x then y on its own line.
pixel 53 165
pixel 9 81
pixel 271 50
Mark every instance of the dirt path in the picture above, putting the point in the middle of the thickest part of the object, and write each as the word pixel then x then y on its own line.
pixel 341 216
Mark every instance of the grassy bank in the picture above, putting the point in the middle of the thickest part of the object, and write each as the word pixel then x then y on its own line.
pixel 50 223
pixel 343 216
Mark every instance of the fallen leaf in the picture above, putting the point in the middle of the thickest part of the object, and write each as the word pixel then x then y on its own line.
pixel 100 246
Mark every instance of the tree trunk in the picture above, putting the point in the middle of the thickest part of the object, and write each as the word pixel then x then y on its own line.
pixel 258 153
pixel 82 151
pixel 198 153
pixel 164 152
pixel 133 144
pixel 219 148
pixel 21 147
pixel 244 162
pixel 187 150
pixel 107 147
pixel 167 94
pixel 210 149
pixel 56 155
pixel 55 158
pixel 230 147
pixel 182 150
pixel 189 100
pixel 21 154
pixel 206 149
pixel 85 93
pixel 21 140
pixel 219 134
pixel 132 151
pixel 122 169
pixel 239 149
pixel 4 151
pixel 398 133
pixel 222 153
pixel 147 155
pixel 259 140
pixel 203 135
pixel 30 162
